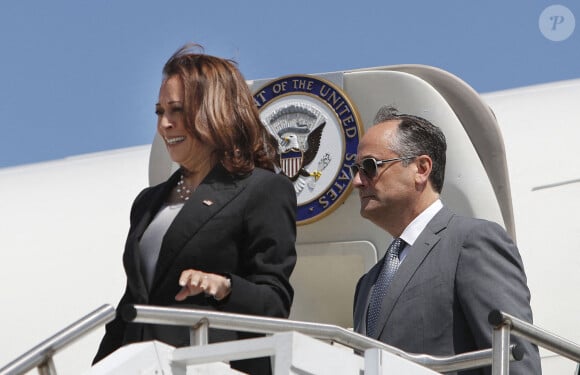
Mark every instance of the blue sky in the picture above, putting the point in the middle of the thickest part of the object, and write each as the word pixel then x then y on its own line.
pixel 82 76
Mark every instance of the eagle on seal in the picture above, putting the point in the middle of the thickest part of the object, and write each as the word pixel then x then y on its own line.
pixel 293 157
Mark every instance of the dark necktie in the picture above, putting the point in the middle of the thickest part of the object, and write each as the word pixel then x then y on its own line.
pixel 388 270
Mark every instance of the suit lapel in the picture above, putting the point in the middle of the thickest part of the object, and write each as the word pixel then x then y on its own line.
pixel 211 196
pixel 415 256
pixel 135 277
pixel 364 294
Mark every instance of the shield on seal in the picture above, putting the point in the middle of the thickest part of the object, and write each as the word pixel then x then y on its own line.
pixel 291 162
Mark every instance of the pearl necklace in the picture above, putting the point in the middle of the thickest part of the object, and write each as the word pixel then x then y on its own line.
pixel 183 190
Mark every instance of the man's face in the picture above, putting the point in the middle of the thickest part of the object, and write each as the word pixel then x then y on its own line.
pixel 391 191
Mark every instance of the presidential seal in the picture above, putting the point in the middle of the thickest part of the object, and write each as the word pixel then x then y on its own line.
pixel 318 131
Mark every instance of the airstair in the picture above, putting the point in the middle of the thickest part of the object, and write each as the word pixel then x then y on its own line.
pixel 294 347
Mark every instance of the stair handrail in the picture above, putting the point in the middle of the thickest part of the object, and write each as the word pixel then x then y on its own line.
pixel 41 355
pixel 505 324
pixel 200 320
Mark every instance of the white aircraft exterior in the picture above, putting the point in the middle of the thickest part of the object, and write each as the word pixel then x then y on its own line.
pixel 63 222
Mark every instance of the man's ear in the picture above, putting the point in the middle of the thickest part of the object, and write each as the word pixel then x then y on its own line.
pixel 424 166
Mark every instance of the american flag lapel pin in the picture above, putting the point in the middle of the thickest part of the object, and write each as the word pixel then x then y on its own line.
pixel 207 202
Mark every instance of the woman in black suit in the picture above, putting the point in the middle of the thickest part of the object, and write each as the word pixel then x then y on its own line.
pixel 219 233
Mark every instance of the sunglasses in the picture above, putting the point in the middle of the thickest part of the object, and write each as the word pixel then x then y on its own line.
pixel 369 166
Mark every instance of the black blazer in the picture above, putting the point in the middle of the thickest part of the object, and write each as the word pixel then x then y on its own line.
pixel 438 303
pixel 243 227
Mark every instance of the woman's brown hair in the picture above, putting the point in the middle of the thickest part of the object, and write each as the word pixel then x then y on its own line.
pixel 219 110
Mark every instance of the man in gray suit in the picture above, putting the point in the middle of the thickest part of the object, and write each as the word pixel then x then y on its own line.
pixel 433 293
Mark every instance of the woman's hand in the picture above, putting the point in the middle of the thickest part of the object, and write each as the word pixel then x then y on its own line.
pixel 194 282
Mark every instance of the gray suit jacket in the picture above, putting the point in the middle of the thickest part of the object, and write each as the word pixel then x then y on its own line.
pixel 458 270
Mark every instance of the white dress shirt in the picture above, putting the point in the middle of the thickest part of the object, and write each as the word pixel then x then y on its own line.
pixel 414 229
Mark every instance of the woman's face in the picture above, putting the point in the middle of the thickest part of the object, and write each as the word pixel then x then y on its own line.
pixel 183 148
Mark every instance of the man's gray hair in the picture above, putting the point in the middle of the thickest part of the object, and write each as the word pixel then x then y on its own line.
pixel 416 136
pixel 385 113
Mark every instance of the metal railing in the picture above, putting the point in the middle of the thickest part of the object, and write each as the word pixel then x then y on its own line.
pixel 199 322
pixel 505 324
pixel 41 355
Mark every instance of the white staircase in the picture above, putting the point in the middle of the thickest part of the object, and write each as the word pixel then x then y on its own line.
pixel 291 353
pixel 294 347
